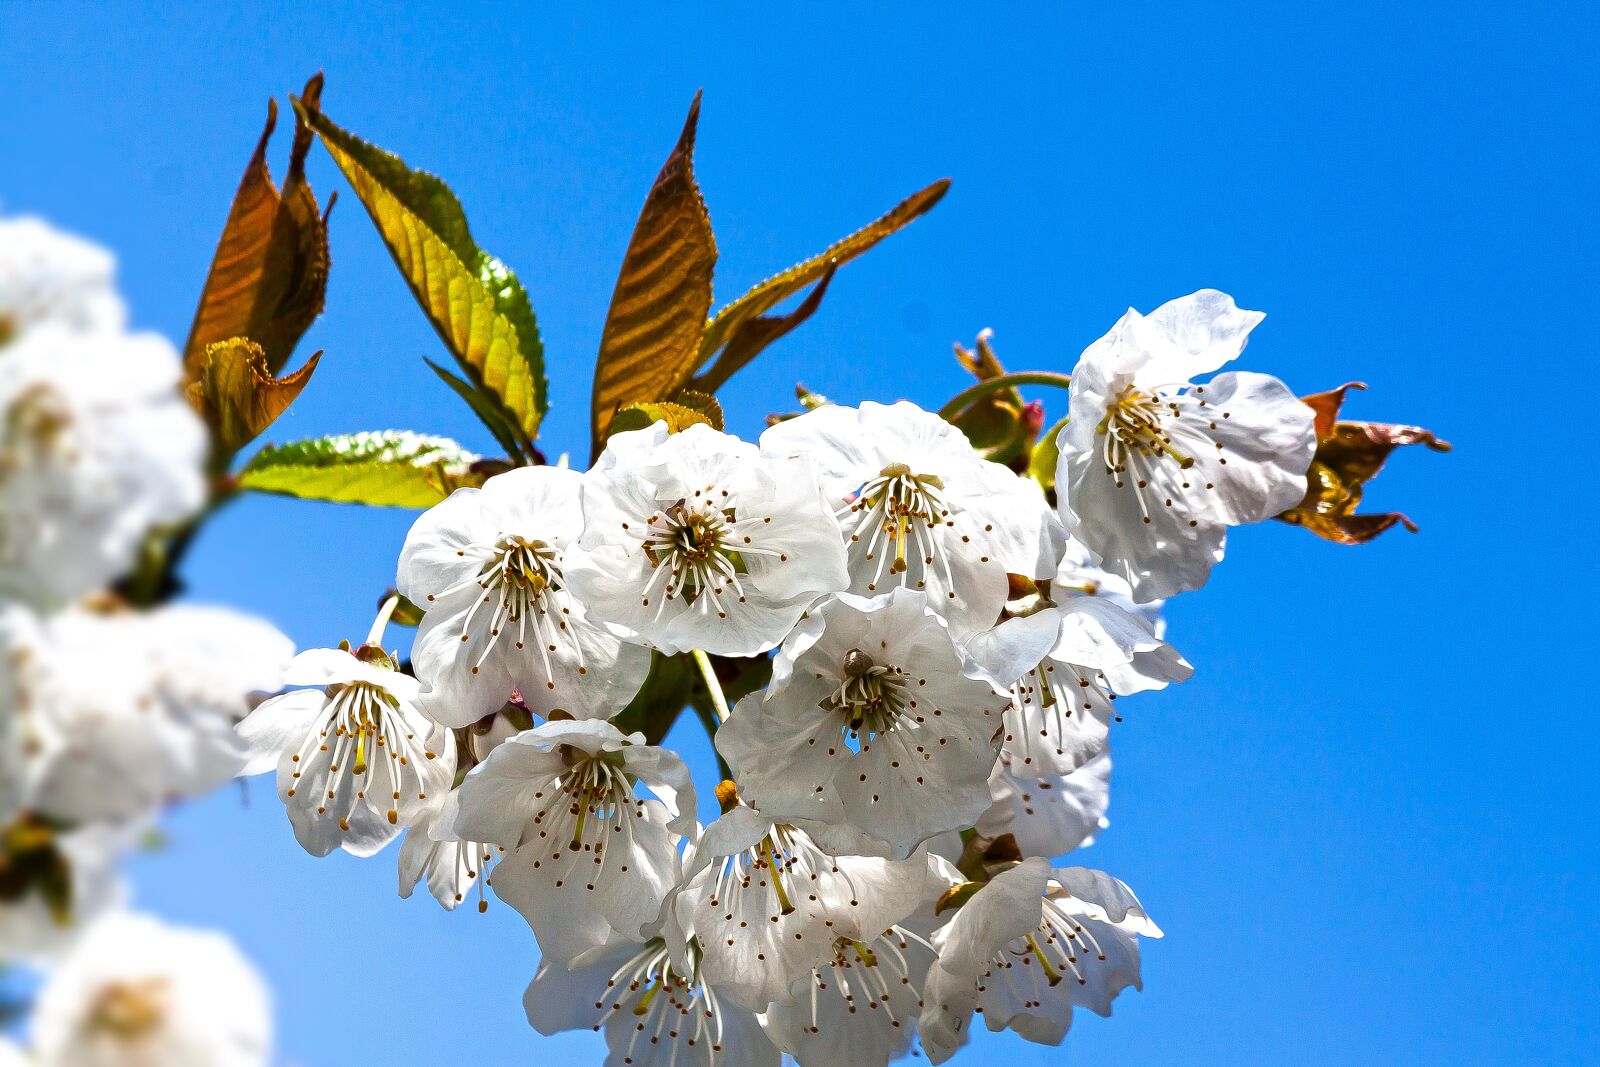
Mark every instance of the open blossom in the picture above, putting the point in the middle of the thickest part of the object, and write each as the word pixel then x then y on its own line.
pixel 122 712
pixel 922 509
pixel 695 540
pixel 767 905
pixel 356 760
pixel 487 565
pixel 448 867
pixel 1061 704
pixel 47 276
pixel 135 992
pixel 97 446
pixel 1048 814
pixel 652 1011
pixel 1155 469
pixel 1028 947
pixel 861 1006
pixel 587 859
pixel 875 722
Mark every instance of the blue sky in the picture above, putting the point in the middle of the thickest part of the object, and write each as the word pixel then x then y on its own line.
pixel 1368 823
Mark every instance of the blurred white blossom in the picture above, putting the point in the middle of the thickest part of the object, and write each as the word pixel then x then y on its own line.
pixel 135 992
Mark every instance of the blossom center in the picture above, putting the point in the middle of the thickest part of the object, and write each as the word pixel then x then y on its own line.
pixel 363 728
pixel 129 1011
pixel 870 700
pixel 1058 949
pixel 664 1005
pixel 899 513
pixel 696 554
pixel 1135 424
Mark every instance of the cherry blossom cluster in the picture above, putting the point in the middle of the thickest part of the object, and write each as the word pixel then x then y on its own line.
pixel 108 712
pixel 938 647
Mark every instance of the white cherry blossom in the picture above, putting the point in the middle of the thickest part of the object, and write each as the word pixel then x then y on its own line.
pixel 450 868
pixel 652 1013
pixel 97 446
pixel 1155 469
pixel 767 905
pixel 355 758
pixel 922 509
pixel 12 1056
pixel 135 992
pixel 488 567
pixel 1028 947
pixel 1061 707
pixel 121 712
pixel 862 1005
pixel 47 276
pixel 695 540
pixel 587 859
pixel 875 722
pixel 1048 815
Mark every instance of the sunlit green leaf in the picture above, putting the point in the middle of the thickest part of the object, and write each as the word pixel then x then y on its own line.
pixel 388 469
pixel 476 304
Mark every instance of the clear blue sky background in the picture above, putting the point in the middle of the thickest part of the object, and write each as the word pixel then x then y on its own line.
pixel 1368 824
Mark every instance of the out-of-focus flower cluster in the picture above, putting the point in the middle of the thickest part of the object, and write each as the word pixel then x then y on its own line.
pixel 114 703
pixel 936 651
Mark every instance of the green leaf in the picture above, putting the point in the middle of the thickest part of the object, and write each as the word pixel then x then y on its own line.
pixel 705 404
pixel 742 329
pixel 387 469
pixel 476 304
pixel 663 294
pixel 639 416
pixel 492 415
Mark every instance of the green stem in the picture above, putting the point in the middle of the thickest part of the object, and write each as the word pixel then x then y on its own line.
pixel 381 623
pixel 709 673
pixel 1005 381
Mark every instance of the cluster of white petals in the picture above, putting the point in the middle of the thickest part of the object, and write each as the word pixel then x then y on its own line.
pixel 1154 468
pixel 97 444
pixel 109 711
pixel 135 991
pixel 936 651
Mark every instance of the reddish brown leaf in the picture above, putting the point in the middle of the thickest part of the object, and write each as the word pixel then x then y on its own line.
pixel 663 295
pixel 237 394
pixel 270 272
pixel 1350 454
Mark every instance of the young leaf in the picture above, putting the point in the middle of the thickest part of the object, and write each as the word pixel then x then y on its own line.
pixel 676 416
pixel 386 469
pixel 474 302
pixel 742 329
pixel 238 395
pixel 492 415
pixel 705 404
pixel 270 272
pixel 663 293
pixel 1350 454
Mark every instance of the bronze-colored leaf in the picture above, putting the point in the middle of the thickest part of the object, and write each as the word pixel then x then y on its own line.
pixel 748 314
pixel 269 276
pixel 1350 454
pixel 238 395
pixel 663 294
